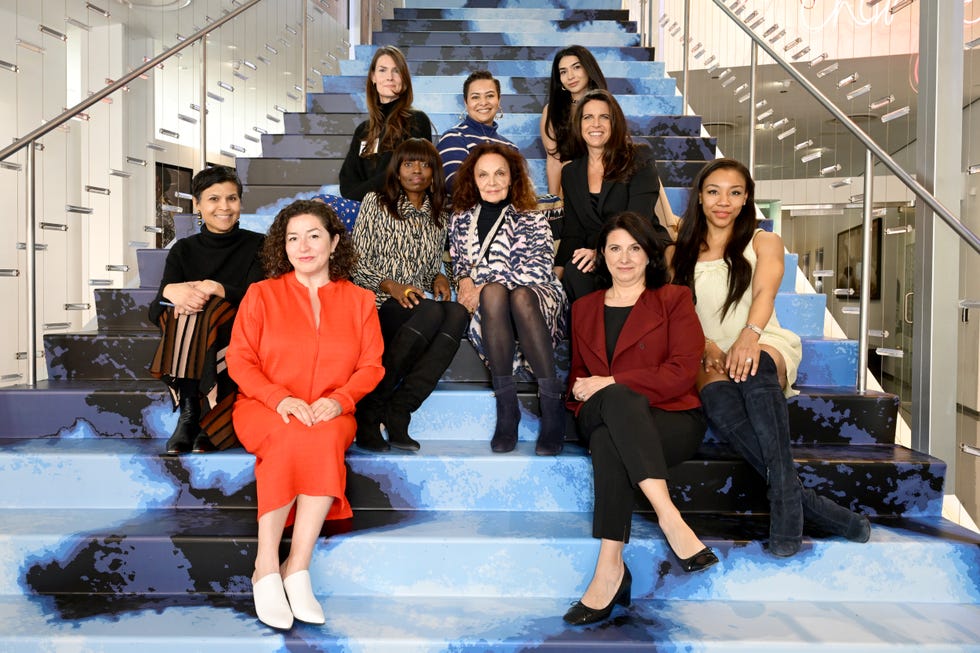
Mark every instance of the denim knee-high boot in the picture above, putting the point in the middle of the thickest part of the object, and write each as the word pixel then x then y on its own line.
pixel 817 510
pixel 761 437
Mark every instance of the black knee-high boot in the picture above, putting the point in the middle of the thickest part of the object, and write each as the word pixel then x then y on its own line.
pixel 761 437
pixel 418 384
pixel 551 437
pixel 189 421
pixel 508 414
pixel 399 354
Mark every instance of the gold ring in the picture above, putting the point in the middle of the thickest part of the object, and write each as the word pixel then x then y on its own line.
pixel 408 291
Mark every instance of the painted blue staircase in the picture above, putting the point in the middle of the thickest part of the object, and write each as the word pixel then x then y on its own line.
pixel 106 545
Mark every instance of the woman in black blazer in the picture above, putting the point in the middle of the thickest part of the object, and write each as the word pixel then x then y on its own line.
pixel 609 175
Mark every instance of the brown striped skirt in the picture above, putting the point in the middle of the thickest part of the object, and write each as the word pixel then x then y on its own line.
pixel 193 347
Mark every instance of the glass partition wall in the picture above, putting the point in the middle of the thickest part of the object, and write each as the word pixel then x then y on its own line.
pixel 864 56
pixel 110 180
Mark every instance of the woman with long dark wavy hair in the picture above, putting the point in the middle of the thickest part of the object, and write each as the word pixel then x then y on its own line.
pixel 749 362
pixel 391 120
pixel 503 258
pixel 400 235
pixel 574 72
pixel 609 174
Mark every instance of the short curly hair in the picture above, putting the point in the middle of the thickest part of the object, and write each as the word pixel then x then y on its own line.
pixel 274 258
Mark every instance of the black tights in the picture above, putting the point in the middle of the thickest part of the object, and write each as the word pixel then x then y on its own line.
pixel 509 316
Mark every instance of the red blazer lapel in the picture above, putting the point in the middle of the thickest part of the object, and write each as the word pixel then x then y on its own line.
pixel 594 342
pixel 647 315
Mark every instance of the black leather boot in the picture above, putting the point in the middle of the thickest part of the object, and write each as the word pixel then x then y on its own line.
pixel 418 384
pixel 508 414
pixel 188 423
pixel 551 437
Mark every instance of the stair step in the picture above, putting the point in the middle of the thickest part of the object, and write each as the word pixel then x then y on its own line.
pixel 828 362
pixel 545 5
pixel 152 624
pixel 667 104
pixel 125 309
pixel 456 411
pixel 886 480
pixel 509 85
pixel 543 28
pixel 308 146
pixel 590 39
pixel 503 67
pixel 514 126
pixel 802 313
pixel 160 553
pixel 469 53
pixel 272 183
pixel 151 263
pixel 470 14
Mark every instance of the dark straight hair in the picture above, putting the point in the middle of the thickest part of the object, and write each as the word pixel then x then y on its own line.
pixel 645 235
pixel 692 237
pixel 560 100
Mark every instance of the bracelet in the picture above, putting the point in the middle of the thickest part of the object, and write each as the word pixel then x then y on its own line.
pixel 753 328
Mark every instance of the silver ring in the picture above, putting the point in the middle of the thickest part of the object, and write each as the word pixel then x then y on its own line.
pixel 748 360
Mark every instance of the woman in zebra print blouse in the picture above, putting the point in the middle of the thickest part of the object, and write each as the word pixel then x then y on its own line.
pixel 503 258
pixel 400 234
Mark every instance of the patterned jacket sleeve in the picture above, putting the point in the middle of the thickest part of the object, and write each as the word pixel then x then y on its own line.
pixel 457 244
pixel 534 260
pixel 370 270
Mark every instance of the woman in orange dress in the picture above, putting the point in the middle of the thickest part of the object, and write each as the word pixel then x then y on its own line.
pixel 305 348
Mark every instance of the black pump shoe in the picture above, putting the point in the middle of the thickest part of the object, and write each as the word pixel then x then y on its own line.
pixel 580 614
pixel 699 561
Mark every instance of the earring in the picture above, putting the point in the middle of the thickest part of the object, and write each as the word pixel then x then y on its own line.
pixel 462 116
pixel 200 220
pixel 500 114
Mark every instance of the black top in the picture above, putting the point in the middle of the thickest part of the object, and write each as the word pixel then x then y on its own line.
pixel 615 319
pixel 231 259
pixel 489 212
pixel 584 217
pixel 360 175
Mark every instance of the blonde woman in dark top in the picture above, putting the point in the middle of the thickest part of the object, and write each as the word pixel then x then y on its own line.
pixel 400 234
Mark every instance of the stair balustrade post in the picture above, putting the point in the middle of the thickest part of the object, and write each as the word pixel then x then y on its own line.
pixel 865 288
pixel 684 52
pixel 31 252
pixel 753 74
pixel 203 158
pixel 304 62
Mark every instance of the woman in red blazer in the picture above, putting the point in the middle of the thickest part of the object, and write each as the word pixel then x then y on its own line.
pixel 636 351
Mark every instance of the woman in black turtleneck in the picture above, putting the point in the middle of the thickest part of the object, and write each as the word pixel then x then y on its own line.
pixel 391 120
pixel 204 280
pixel 503 258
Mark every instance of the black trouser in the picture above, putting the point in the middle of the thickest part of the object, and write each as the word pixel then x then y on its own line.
pixel 631 441
pixel 577 283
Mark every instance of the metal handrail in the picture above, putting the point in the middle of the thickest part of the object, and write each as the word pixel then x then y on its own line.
pixel 920 191
pixel 29 140
pixel 71 112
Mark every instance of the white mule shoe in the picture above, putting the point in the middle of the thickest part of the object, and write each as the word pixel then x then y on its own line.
pixel 271 606
pixel 304 605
